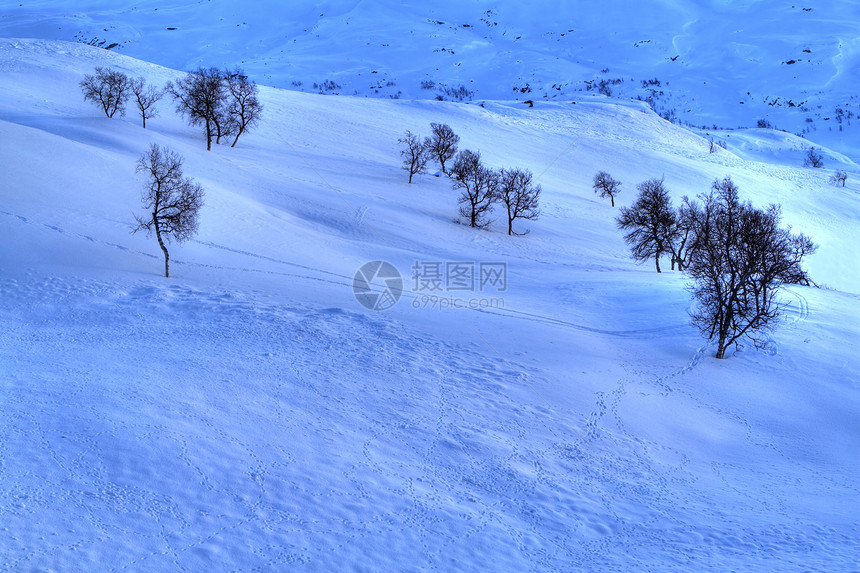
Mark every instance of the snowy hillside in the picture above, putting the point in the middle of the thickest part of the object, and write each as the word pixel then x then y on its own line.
pixel 249 414
pixel 709 63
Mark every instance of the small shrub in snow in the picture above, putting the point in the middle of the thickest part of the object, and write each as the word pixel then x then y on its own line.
pixel 713 144
pixel 813 159
pixel 459 93
pixel 327 86
pixel 839 178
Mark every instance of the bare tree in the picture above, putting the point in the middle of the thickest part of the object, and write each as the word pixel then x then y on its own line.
pixel 443 144
pixel 742 259
pixel 107 88
pixel 414 154
pixel 649 222
pixel 682 234
pixel 840 177
pixel 520 196
pixel 813 159
pixel 606 186
pixel 479 187
pixel 201 97
pixel 174 201
pixel 244 109
pixel 146 96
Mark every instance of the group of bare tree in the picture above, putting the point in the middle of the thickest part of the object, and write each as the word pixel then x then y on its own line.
pixel 224 102
pixel 416 153
pixel 481 187
pixel 111 89
pixel 738 256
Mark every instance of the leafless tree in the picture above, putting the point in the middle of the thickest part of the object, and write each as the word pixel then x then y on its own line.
pixel 606 186
pixel 813 159
pixel 201 97
pixel 649 222
pixel 519 195
pixel 479 185
pixel 682 234
pixel 414 154
pixel 443 144
pixel 107 88
pixel 146 96
pixel 840 177
pixel 742 259
pixel 173 201
pixel 244 110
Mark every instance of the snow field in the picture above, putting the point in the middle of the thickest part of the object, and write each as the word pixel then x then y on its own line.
pixel 248 414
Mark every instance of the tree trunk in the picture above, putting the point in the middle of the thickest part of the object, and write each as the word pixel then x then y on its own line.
pixel 163 248
pixel 722 340
pixel 237 137
pixel 144 120
pixel 612 200
pixel 208 136
pixel 657 261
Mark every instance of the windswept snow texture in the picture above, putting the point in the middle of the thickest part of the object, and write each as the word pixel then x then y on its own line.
pixel 248 414
pixel 712 63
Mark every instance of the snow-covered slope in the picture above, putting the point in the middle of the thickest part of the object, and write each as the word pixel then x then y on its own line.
pixel 249 414
pixel 706 62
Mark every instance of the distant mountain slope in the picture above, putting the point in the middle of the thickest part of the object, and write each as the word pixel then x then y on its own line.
pixel 709 63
